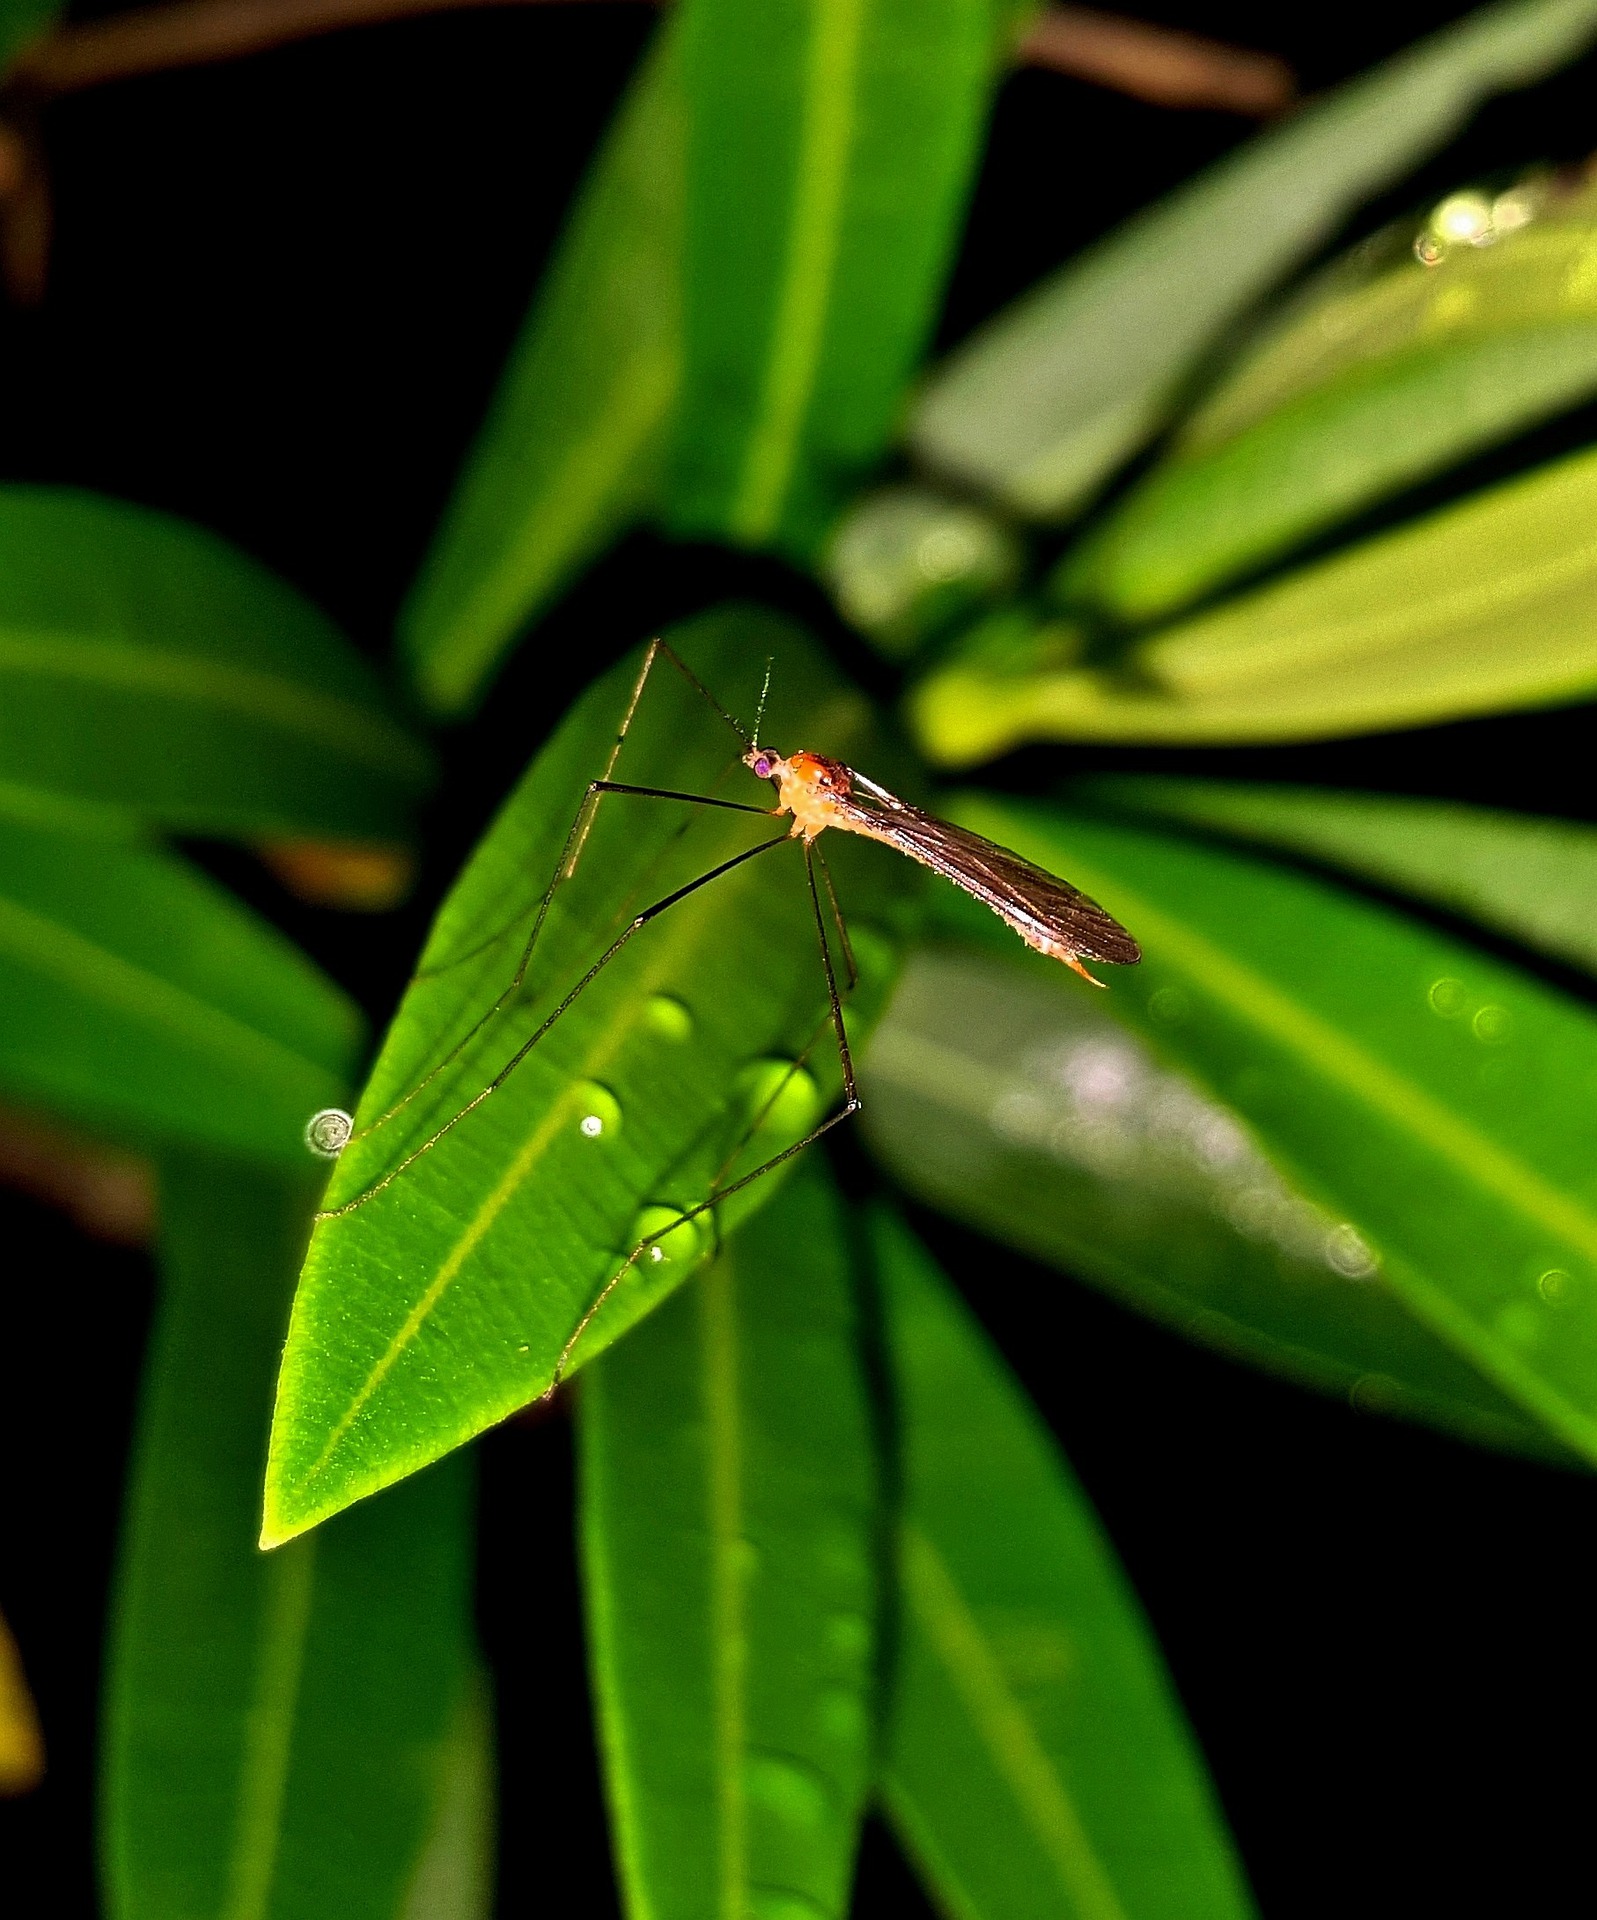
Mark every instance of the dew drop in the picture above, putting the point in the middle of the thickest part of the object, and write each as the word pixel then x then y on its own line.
pixel 1169 1006
pixel 788 1789
pixel 671 1240
pixel 779 1098
pixel 599 1111
pixel 1553 1286
pixel 327 1133
pixel 1347 1252
pixel 1492 1024
pixel 1448 997
pixel 665 1016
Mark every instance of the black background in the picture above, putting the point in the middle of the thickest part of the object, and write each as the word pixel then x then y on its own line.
pixel 280 294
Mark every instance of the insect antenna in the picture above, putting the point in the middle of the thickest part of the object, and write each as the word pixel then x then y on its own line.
pixel 765 688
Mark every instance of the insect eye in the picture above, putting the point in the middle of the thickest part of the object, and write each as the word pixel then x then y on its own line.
pixel 762 766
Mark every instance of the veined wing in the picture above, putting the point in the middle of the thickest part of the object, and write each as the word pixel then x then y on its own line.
pixel 1044 910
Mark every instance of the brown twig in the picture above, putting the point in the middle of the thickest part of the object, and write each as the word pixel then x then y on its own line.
pixel 1158 64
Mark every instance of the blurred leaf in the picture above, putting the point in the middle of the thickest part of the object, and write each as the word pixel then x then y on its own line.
pixel 149 671
pixel 442 1303
pixel 729 1536
pixel 999 1092
pixel 1419 1091
pixel 1530 877
pixel 1055 393
pixel 277 1725
pixel 830 149
pixel 1483 607
pixel 905 562
pixel 22 21
pixel 1363 391
pixel 139 998
pixel 454 1877
pixel 1037 1762
pixel 21 1743
pixel 568 454
pixel 335 873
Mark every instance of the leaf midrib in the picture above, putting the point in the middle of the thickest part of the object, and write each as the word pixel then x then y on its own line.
pixel 346 727
pixel 955 1635
pixel 59 952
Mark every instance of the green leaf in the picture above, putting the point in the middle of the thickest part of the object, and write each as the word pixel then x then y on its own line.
pixel 140 998
pixel 1483 607
pixel 568 454
pixel 1423 1093
pixel 149 671
pixel 1037 1761
pixel 443 1300
pixel 830 149
pixel 998 1091
pixel 1359 392
pixel 1530 877
pixel 1052 395
pixel 277 1725
pixel 729 1535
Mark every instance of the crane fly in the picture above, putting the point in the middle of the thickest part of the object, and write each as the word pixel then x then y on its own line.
pixel 814 794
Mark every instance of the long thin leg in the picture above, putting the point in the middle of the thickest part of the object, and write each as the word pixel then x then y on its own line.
pixel 635 926
pixel 837 918
pixel 851 1105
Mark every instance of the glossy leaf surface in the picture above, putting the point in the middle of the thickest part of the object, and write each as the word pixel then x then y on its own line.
pixel 1525 875
pixel 444 1300
pixel 277 1723
pixel 1047 399
pixel 1037 1762
pixel 149 671
pixel 999 1092
pixel 1482 607
pixel 140 998
pixel 830 150
pixel 1361 392
pixel 569 452
pixel 729 1541
pixel 1418 1090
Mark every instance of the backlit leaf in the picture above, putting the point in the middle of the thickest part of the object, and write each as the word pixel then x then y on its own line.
pixel 277 1724
pixel 444 1300
pixel 1052 395
pixel 1037 1762
pixel 1425 1095
pixel 830 150
pixel 729 1543
pixel 139 998
pixel 568 454
pixel 1522 874
pixel 149 671
pixel 998 1092
pixel 1483 607
pixel 1359 392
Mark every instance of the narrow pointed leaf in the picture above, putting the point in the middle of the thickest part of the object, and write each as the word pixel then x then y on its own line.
pixel 149 671
pixel 729 1542
pixel 1054 394
pixel 1525 875
pixel 1428 1096
pixel 140 998
pixel 277 1724
pixel 1361 392
pixel 830 151
pixel 1482 608
pixel 998 1092
pixel 569 451
pixel 444 1300
pixel 1037 1762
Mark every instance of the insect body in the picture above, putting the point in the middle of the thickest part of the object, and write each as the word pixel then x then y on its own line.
pixel 1047 913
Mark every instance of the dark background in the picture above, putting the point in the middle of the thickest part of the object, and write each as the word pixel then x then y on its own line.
pixel 280 294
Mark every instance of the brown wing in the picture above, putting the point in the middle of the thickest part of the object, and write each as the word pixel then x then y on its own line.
pixel 1038 904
